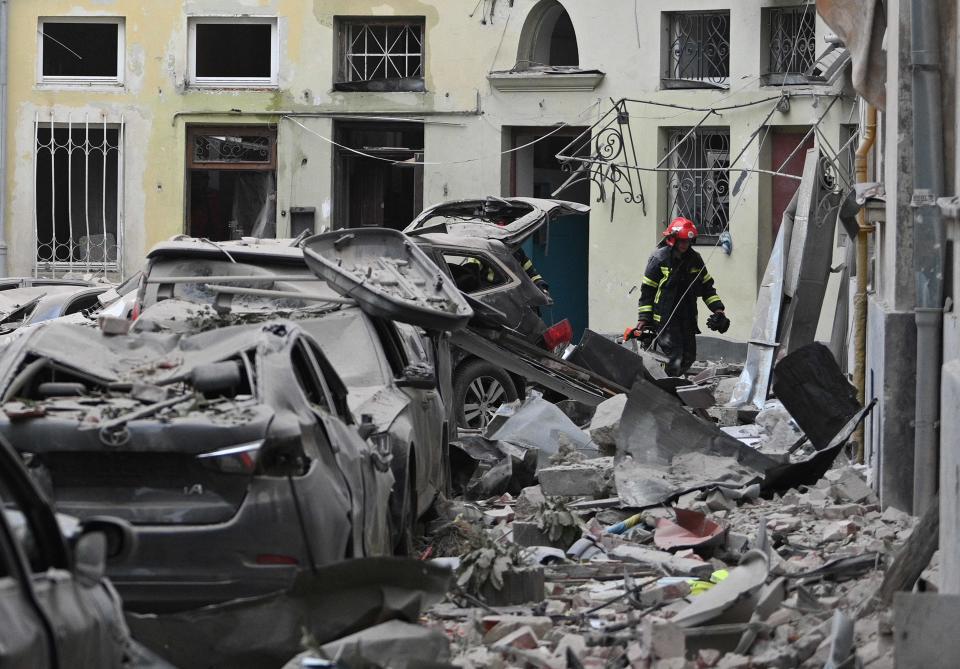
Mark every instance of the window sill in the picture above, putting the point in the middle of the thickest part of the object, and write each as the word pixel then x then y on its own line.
pixel 381 86
pixel 792 79
pixel 672 84
pixel 91 85
pixel 545 80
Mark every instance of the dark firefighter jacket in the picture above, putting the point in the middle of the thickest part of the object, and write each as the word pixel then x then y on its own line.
pixel 665 282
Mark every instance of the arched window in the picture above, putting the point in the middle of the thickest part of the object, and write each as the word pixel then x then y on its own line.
pixel 548 38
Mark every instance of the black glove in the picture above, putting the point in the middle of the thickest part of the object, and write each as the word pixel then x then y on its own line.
pixel 718 322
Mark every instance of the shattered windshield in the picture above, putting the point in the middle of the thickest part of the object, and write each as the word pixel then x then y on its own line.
pixel 350 344
pixel 212 274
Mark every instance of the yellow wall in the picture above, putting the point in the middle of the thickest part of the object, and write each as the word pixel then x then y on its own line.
pixel 464 117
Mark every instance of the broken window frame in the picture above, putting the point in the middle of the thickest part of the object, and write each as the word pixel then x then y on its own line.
pixel 707 186
pixel 708 32
pixel 194 81
pixel 789 44
pixel 49 262
pixel 343 73
pixel 60 80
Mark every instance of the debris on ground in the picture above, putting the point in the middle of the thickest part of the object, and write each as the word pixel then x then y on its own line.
pixel 680 542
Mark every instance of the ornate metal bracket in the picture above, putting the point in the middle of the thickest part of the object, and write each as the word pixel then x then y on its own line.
pixel 605 155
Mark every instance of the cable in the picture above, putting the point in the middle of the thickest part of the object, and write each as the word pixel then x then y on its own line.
pixel 436 163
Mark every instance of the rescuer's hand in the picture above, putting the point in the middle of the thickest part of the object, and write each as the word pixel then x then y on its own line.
pixel 718 322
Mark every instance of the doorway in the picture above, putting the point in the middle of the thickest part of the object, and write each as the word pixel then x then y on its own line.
pixel 560 250
pixel 231 182
pixel 380 181
pixel 785 141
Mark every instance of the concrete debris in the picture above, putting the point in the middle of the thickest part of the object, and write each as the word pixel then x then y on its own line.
pixel 605 423
pixel 695 546
pixel 593 478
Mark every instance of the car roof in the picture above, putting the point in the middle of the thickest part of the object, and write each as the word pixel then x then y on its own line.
pixel 276 249
pixel 447 240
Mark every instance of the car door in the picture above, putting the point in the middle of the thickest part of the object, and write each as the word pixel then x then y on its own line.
pixel 367 474
pixel 403 348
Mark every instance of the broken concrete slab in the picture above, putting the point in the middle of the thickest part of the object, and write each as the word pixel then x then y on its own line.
pixel 664 451
pixel 663 638
pixel 499 626
pixel 591 479
pixel 734 599
pixel 394 643
pixel 677 566
pixel 847 486
pixel 605 423
pixel 696 397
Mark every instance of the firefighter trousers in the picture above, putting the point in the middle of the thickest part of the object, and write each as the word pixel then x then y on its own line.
pixel 678 341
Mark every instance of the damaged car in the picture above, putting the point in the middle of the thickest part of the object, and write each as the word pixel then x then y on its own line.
pixel 232 452
pixel 387 369
pixel 478 241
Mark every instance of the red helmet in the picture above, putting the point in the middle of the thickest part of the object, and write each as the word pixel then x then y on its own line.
pixel 680 228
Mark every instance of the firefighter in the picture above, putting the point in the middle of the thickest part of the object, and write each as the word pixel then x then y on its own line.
pixel 673 280
pixel 531 270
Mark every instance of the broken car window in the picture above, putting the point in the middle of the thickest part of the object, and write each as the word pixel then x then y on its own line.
pixel 474 273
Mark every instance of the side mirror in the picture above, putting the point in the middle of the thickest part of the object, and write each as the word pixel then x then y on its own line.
pixel 420 377
pixel 90 558
pixel 119 536
pixel 366 426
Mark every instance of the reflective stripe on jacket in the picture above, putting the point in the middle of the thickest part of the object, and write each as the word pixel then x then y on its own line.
pixel 666 280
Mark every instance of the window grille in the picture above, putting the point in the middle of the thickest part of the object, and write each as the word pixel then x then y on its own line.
pixel 381 50
pixel 78 196
pixel 699 52
pixel 698 183
pixel 792 39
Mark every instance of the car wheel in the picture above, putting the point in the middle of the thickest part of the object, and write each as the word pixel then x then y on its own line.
pixel 479 388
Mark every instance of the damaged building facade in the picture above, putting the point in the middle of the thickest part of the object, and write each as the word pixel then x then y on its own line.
pixel 128 123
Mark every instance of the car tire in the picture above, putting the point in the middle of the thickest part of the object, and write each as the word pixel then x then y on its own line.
pixel 479 387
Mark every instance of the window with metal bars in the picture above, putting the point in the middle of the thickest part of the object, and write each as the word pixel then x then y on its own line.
pixel 380 54
pixel 78 211
pixel 698 54
pixel 698 182
pixel 791 39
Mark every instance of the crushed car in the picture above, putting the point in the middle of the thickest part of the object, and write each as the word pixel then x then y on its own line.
pixel 477 241
pixel 387 369
pixel 25 306
pixel 233 453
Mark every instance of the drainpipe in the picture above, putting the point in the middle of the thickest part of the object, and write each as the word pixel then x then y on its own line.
pixel 860 297
pixel 928 243
pixel 3 137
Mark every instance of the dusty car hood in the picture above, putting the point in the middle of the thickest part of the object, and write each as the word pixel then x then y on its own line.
pixel 477 217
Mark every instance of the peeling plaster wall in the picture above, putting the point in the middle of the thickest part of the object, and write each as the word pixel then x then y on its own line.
pixel 156 104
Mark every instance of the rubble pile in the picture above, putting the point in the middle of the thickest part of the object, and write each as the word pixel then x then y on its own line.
pixel 755 549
